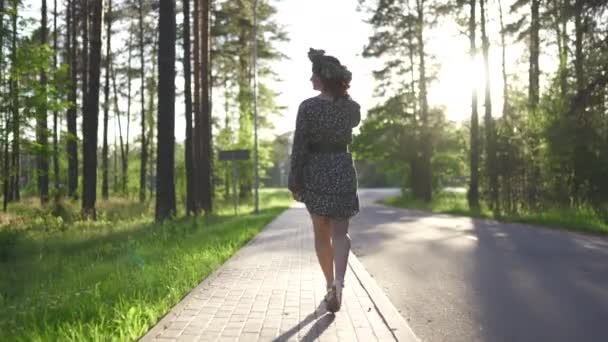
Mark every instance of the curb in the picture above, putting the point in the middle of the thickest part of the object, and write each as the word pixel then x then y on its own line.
pixel 391 317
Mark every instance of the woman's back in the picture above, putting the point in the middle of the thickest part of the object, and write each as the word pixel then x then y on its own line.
pixel 328 121
pixel 320 162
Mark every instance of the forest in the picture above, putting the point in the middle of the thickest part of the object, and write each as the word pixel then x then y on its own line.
pixel 108 220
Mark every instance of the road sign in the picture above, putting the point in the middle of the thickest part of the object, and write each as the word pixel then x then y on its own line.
pixel 234 155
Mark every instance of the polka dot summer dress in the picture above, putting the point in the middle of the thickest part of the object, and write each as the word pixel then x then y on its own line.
pixel 322 173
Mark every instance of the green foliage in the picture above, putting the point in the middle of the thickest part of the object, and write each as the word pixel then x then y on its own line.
pixel 391 133
pixel 582 218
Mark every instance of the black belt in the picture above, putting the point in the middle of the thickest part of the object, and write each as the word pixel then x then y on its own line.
pixel 327 148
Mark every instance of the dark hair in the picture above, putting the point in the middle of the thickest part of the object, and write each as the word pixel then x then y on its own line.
pixel 337 87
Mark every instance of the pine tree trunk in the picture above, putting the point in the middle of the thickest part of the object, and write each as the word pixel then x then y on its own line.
pixel 125 160
pixel 5 155
pixel 55 114
pixel 414 160
pixel 106 105
pixel 425 164
pixel 42 160
pixel 197 147
pixel 144 145
pixel 72 140
pixel 85 14
pixel 123 153
pixel 488 120
pixel 90 118
pixel 579 111
pixel 205 136
pixel 563 58
pixel 188 108
pixel 473 193
pixel 14 193
pixel 165 182
pixel 151 119
pixel 534 72
pixel 506 165
pixel 533 100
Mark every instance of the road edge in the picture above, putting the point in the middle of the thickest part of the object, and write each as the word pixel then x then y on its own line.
pixel 391 317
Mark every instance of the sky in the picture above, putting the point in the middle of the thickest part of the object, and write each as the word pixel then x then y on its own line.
pixel 334 26
pixel 337 27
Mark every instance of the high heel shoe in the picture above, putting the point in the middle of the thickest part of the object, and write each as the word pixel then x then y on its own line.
pixel 334 299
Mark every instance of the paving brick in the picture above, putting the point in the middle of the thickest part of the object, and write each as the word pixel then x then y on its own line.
pixel 273 288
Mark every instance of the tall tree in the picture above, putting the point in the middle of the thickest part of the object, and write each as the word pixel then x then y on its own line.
pixel 190 209
pixel 144 145
pixel 488 120
pixel 85 14
pixel 579 119
pixel 14 190
pixel 90 117
pixel 72 135
pixel 425 163
pixel 534 72
pixel 473 193
pixel 123 153
pixel 125 161
pixel 55 113
pixel 197 147
pixel 106 105
pixel 5 155
pixel 42 163
pixel 205 134
pixel 165 186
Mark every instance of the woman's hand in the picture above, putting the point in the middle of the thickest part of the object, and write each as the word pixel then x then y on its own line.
pixel 295 191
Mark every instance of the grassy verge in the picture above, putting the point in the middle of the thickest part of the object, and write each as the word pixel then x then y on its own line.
pixel 583 219
pixel 70 280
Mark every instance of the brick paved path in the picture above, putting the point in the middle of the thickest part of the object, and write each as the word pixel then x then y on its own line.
pixel 272 290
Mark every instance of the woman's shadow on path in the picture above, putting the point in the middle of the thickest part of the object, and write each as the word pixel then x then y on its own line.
pixel 322 318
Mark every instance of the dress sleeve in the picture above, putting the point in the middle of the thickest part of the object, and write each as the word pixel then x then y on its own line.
pixel 298 153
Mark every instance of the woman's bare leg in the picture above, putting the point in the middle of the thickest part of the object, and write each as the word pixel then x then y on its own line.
pixel 323 246
pixel 341 248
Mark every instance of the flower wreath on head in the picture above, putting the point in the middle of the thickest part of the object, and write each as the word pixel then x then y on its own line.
pixel 328 68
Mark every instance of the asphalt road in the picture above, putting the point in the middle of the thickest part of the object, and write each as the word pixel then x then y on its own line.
pixel 461 279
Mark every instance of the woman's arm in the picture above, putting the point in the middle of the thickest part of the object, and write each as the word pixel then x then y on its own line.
pixel 298 153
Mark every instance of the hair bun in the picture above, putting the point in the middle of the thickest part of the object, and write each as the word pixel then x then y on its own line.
pixel 315 55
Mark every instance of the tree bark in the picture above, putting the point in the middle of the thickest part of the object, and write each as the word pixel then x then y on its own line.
pixel 473 193
pixel 488 120
pixel 425 164
pixel 123 154
pixel 125 161
pixel 197 147
pixel 190 209
pixel 506 165
pixel 85 14
pixel 534 71
pixel 106 105
pixel 579 112
pixel 42 159
pixel 144 145
pixel 533 187
pixel 205 132
pixel 55 114
pixel 72 139
pixel 5 155
pixel 90 119
pixel 165 183
pixel 14 193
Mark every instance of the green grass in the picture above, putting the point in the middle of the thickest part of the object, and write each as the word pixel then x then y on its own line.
pixel 583 219
pixel 110 280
